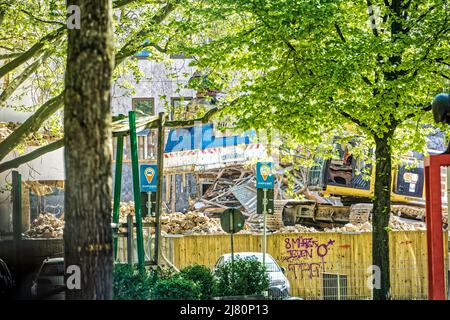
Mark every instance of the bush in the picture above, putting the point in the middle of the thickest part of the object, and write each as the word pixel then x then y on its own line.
pixel 175 288
pixel 130 283
pixel 202 276
pixel 245 277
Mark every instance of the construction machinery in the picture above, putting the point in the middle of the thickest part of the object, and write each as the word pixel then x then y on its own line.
pixel 339 191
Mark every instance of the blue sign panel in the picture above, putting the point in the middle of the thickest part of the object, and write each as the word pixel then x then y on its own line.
pixel 264 176
pixel 202 137
pixel 148 177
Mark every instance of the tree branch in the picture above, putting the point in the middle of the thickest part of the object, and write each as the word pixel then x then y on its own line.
pixel 355 120
pixel 9 55
pixel 339 31
pixel 32 124
pixel 423 108
pixel 35 49
pixel 130 47
pixel 17 81
pixel 14 163
pixel 40 19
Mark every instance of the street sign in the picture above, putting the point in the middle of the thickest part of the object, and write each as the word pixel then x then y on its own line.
pixel 146 207
pixel 264 176
pixel 232 220
pixel 149 177
pixel 260 199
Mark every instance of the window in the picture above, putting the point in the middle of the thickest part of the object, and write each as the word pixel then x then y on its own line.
pixel 180 109
pixel 144 105
pixel 334 286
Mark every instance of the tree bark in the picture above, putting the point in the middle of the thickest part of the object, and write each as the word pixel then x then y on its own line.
pixel 381 214
pixel 88 154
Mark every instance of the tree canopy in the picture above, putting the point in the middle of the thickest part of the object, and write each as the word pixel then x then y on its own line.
pixel 33 44
pixel 308 67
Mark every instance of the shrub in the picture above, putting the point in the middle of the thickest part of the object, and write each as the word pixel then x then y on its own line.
pixel 202 276
pixel 130 283
pixel 175 288
pixel 246 276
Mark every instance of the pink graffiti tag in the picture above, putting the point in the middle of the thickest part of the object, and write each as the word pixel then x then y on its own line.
pixel 304 248
pixel 312 269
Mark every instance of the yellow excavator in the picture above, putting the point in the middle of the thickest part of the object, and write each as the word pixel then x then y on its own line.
pixel 339 192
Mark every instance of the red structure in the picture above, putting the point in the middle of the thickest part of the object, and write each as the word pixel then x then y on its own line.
pixel 435 239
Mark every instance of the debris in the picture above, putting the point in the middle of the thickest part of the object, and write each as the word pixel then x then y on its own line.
pixel 126 208
pixel 219 194
pixel 46 226
pixel 189 223
pixel 395 224
pixel 298 228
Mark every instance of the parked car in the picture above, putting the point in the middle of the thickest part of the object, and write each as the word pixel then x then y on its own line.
pixel 6 281
pixel 279 288
pixel 49 280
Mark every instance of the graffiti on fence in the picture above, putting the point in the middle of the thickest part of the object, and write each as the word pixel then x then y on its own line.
pixel 305 256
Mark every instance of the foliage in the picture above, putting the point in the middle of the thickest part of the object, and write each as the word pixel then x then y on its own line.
pixel 33 49
pixel 175 288
pixel 131 284
pixel 202 276
pixel 246 276
pixel 309 67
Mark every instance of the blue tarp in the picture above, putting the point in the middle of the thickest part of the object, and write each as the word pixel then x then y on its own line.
pixel 202 137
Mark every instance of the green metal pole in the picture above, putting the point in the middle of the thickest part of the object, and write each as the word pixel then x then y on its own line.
pixel 136 189
pixel 17 205
pixel 17 226
pixel 117 186
pixel 159 190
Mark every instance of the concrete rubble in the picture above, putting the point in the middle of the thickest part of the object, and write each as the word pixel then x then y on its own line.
pixel 46 226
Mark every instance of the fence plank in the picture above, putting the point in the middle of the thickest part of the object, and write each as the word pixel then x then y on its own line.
pixel 307 256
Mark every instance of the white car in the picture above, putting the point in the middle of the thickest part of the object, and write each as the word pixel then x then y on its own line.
pixel 49 281
pixel 280 287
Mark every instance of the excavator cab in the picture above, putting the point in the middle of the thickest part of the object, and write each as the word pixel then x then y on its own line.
pixel 347 170
pixel 351 180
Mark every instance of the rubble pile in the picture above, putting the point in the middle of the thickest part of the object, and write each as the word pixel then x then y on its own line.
pixel 298 228
pixel 189 223
pixel 46 226
pixel 126 208
pixel 350 227
pixel 395 224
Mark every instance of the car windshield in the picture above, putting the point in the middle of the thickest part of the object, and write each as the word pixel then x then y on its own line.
pixel 56 269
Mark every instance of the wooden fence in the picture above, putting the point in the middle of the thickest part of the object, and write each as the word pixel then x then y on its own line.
pixel 321 265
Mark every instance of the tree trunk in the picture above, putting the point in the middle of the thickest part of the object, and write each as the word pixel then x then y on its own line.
pixel 87 140
pixel 381 214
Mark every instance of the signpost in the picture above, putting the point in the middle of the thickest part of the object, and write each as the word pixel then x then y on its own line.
pixel 264 182
pixel 149 178
pixel 232 221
